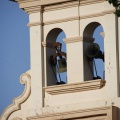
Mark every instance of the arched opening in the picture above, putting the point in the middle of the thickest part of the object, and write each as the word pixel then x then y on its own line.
pixel 98 35
pixel 95 30
pixel 53 76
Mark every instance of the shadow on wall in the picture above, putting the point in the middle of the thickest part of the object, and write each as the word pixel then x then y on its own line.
pixel 94 30
pixel 53 77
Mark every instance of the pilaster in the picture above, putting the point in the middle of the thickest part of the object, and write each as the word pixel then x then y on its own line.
pixel 77 70
pixel 36 56
pixel 110 45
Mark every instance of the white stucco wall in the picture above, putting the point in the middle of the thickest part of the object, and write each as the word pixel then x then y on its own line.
pixel 72 19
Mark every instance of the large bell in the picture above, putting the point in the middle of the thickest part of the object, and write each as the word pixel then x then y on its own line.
pixel 93 51
pixel 62 65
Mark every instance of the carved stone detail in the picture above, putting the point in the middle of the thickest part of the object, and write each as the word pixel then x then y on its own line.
pixel 102 34
pixel 16 118
pixel 101 113
pixel 71 18
pixel 75 87
pixel 78 39
pixel 16 105
pixel 47 44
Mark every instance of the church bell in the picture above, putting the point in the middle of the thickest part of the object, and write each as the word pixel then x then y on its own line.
pixel 62 65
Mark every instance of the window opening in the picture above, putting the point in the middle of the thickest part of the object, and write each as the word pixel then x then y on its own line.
pixel 93 53
pixel 60 38
pixel 59 61
pixel 100 41
pixel 95 50
pixel 54 52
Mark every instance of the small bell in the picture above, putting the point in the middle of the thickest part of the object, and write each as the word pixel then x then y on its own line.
pixel 62 65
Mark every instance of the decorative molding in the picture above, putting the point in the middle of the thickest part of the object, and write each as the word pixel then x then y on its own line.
pixel 16 118
pixel 31 3
pixel 70 4
pixel 89 2
pixel 61 6
pixel 71 18
pixel 69 40
pixel 101 113
pixel 75 87
pixel 63 1
pixel 52 21
pixel 47 44
pixel 34 24
pixel 33 9
pixel 39 8
pixel 72 40
pixel 62 20
pixel 79 17
pixel 97 14
pixel 78 39
pixel 24 79
pixel 102 34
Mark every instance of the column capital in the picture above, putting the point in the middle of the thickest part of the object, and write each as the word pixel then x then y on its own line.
pixel 78 39
pixel 47 44
pixel 102 34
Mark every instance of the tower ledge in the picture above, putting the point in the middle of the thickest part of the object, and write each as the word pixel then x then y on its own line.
pixel 75 87
pixel 30 3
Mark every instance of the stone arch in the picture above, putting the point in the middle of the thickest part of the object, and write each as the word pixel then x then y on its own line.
pixel 53 34
pixel 90 28
pixel 89 32
pixel 51 37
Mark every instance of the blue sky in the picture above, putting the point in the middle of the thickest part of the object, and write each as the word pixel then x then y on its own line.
pixel 14 51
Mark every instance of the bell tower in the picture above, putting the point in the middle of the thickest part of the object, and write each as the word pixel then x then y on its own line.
pixel 84 96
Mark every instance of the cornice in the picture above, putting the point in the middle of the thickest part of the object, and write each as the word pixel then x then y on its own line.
pixel 72 18
pixel 39 8
pixel 75 87
pixel 101 113
pixel 70 4
pixel 61 6
pixel 78 39
pixel 26 80
pixel 28 5
pixel 33 9
pixel 88 2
